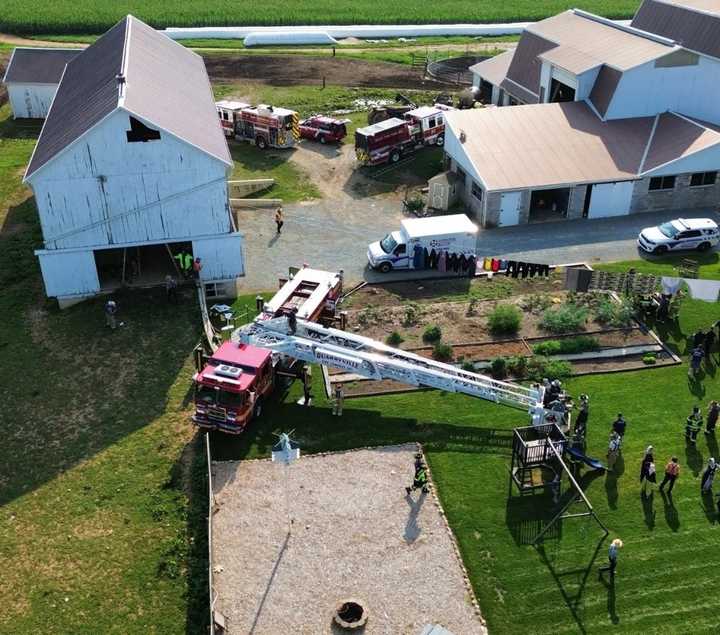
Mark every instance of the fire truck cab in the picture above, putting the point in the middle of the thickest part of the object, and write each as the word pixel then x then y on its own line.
pixel 427 125
pixel 323 129
pixel 235 379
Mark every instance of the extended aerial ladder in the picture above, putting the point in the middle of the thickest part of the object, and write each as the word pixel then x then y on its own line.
pixel 313 343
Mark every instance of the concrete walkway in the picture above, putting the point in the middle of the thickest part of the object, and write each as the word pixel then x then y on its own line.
pixel 334 236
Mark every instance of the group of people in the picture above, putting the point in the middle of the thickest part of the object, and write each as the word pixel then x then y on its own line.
pixel 617 434
pixel 188 267
pixel 694 421
pixel 703 344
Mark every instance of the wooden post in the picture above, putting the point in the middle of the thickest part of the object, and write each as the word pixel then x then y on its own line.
pixel 172 259
pixel 323 82
pixel 122 277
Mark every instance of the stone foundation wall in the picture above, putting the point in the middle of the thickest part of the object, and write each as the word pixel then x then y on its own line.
pixel 681 197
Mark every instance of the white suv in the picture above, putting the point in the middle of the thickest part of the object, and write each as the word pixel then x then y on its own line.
pixel 683 233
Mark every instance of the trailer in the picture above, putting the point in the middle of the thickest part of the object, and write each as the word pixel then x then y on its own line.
pixel 264 125
pixel 389 140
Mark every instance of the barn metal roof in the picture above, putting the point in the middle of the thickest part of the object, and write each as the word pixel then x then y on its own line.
pixel 494 69
pixel 165 84
pixel 551 145
pixel 603 89
pixel 38 65
pixel 695 24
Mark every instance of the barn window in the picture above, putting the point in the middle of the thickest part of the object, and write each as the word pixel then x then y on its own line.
pixel 662 183
pixel 476 191
pixel 703 178
pixel 140 132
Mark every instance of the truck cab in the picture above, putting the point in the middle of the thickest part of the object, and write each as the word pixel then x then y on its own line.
pixel 389 253
pixel 230 389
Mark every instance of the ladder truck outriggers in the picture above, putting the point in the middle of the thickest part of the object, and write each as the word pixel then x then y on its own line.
pixel 294 327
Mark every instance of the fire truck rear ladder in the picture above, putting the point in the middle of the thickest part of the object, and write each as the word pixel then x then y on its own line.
pixel 314 343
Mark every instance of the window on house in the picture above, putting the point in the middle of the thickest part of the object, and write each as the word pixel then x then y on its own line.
pixel 703 178
pixel 476 191
pixel 140 132
pixel 662 183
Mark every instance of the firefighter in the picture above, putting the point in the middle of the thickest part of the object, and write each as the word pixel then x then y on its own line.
pixel 338 402
pixel 185 263
pixel 420 480
pixel 307 385
pixel 292 320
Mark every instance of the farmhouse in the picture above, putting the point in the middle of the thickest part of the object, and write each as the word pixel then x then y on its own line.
pixel 609 119
pixel 32 78
pixel 131 169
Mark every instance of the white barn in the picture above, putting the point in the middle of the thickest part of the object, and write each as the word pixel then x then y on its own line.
pixel 131 169
pixel 32 78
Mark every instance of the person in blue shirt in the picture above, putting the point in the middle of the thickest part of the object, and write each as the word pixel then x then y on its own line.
pixel 615 545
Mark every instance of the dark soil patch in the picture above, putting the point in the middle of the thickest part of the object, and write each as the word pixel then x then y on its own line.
pixel 292 70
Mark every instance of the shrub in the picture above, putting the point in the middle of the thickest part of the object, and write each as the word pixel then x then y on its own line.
pixel 613 314
pixel 564 319
pixel 540 366
pixel 368 316
pixel 394 339
pixel 504 319
pixel 536 303
pixel 469 366
pixel 472 307
pixel 517 366
pixel 411 315
pixel 649 358
pixel 570 345
pixel 432 334
pixel 442 352
pixel 498 367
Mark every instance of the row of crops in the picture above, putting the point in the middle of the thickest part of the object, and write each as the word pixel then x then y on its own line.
pixel 95 16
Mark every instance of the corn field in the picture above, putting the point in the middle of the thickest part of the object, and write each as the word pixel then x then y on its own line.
pixel 96 16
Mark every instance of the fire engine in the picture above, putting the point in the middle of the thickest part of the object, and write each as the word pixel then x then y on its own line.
pixel 264 125
pixel 237 378
pixel 323 129
pixel 387 141
pixel 295 327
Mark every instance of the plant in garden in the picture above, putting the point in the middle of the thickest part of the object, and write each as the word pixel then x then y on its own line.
pixel 564 319
pixel 432 333
pixel 394 339
pixel 498 367
pixel 612 313
pixel 517 366
pixel 469 366
pixel 649 358
pixel 570 345
pixel 472 307
pixel 442 352
pixel 540 366
pixel 411 314
pixel 536 303
pixel 504 319
pixel 368 316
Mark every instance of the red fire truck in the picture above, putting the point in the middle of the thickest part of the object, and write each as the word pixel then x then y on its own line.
pixel 264 125
pixel 387 141
pixel 323 129
pixel 235 380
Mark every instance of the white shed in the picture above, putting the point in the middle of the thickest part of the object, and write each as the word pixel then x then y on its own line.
pixel 131 170
pixel 32 78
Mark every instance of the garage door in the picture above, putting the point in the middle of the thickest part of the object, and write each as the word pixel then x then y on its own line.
pixel 610 199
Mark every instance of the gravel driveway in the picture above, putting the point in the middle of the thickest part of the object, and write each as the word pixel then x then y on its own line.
pixel 334 234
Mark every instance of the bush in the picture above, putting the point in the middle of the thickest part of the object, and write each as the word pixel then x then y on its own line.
pixel 649 358
pixel 469 366
pixel 539 367
pixel 432 334
pixel 412 315
pixel 517 366
pixel 611 313
pixel 368 316
pixel 568 346
pixel 536 303
pixel 565 319
pixel 472 307
pixel 394 339
pixel 498 367
pixel 442 352
pixel 504 319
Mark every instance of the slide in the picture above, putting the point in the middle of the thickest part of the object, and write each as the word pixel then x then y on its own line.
pixel 576 455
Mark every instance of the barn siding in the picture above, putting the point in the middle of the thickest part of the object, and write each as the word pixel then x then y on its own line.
pixel 68 273
pixel 31 101
pixel 86 197
pixel 222 257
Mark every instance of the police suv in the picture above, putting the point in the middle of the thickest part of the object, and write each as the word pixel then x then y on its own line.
pixel 683 233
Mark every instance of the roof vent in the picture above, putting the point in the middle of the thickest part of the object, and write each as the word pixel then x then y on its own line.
pixel 224 370
pixel 120 77
pixel 463 136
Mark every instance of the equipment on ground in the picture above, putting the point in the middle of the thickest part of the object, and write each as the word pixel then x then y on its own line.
pixel 454 234
pixel 389 111
pixel 265 126
pixel 324 129
pixel 391 139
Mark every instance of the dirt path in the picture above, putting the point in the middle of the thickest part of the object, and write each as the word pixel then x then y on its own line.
pixel 23 41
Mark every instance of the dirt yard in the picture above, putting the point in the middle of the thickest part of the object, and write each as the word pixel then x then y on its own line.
pixel 355 535
pixel 292 70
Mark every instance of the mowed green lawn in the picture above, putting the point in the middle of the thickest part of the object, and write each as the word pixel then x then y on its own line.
pixel 101 480
pixel 89 16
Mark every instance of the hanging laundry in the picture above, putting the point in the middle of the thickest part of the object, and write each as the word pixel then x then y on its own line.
pixel 456 266
pixel 670 285
pixel 472 264
pixel 495 265
pixel 417 257
pixel 706 290
pixel 442 262
pixel 433 259
pixel 463 263
pixel 451 262
pixel 523 267
pixel 532 269
pixel 487 264
pixel 503 265
pixel 511 269
pixel 544 270
pixel 426 258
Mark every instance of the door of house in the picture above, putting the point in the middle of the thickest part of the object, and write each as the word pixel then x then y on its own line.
pixel 509 209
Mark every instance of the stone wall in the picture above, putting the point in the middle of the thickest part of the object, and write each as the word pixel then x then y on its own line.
pixel 681 197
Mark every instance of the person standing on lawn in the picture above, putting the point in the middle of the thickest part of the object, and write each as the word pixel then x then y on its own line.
pixel 672 471
pixel 695 360
pixel 619 425
pixel 111 309
pixel 712 417
pixel 279 219
pixel 708 476
pixel 613 449
pixel 171 289
pixel 709 345
pixel 698 338
pixel 693 425
pixel 647 472
pixel 339 395
pixel 615 545
pixel 581 420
